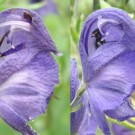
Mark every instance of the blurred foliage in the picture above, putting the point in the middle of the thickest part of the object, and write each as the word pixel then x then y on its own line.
pixel 56 121
pixel 79 11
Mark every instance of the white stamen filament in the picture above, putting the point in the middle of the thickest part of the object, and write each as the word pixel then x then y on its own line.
pixel 17 24
pixel 14 16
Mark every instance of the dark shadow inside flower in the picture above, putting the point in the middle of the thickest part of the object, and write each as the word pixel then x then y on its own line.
pixel 28 17
pixel 102 30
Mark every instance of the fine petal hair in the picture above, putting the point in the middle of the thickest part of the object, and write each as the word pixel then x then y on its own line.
pixel 28 72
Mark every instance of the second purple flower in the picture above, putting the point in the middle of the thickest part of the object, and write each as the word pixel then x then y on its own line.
pixel 107 53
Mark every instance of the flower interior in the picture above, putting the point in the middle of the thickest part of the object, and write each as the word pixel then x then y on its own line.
pixel 13 24
pixel 108 30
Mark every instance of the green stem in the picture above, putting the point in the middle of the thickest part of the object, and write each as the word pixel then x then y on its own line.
pixel 95 5
pixel 124 123
pixel 132 119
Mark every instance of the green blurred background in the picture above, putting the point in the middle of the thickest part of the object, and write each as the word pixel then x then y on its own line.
pixel 56 121
pixel 79 11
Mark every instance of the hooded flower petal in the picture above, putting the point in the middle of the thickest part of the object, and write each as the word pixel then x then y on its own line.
pixel 96 49
pixel 22 28
pixel 107 53
pixel 28 75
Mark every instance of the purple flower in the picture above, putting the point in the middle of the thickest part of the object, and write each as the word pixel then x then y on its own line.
pixel 107 53
pixel 28 72
pixel 120 130
pixel 49 7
